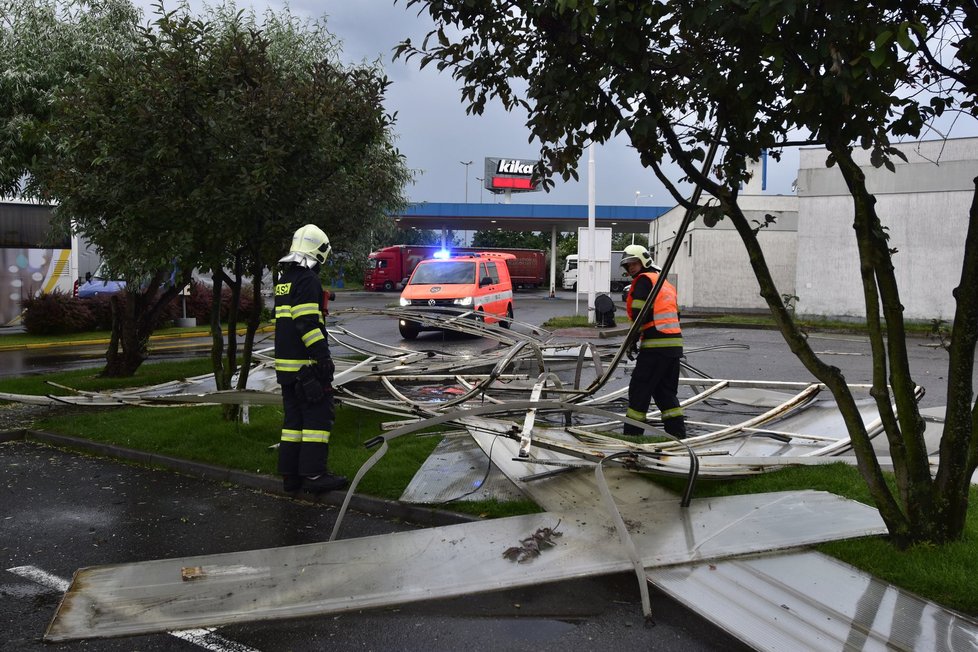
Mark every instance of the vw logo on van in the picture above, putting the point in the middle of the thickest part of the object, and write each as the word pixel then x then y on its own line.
pixel 431 302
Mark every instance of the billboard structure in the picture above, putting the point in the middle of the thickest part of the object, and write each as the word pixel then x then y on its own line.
pixel 509 175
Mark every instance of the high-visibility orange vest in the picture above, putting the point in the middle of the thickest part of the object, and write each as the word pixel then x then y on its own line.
pixel 665 311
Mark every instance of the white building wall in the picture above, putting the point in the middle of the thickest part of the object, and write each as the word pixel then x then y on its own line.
pixel 712 271
pixel 924 206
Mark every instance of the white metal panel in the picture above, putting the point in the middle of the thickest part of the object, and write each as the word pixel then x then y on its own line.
pixel 155 596
pixel 601 262
pixel 458 470
pixel 809 601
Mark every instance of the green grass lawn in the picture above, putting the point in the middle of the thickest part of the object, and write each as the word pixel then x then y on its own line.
pixel 944 574
pixel 149 373
pixel 26 340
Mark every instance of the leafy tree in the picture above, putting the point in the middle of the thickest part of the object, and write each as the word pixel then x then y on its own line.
pixel 419 237
pixel 621 240
pixel 44 45
pixel 681 78
pixel 207 146
pixel 512 239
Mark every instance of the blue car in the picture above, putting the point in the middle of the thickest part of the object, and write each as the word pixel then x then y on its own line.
pixel 96 286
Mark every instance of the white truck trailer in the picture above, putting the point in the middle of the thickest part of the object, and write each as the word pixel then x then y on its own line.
pixel 619 277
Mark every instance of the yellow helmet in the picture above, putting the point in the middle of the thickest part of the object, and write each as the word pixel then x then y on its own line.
pixel 310 247
pixel 634 252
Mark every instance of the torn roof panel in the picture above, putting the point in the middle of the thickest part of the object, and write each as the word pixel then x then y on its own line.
pixel 156 596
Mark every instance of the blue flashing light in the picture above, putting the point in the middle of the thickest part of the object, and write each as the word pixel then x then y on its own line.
pixel 443 253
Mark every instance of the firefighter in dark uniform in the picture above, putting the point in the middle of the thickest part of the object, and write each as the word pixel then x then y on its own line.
pixel 656 374
pixel 303 366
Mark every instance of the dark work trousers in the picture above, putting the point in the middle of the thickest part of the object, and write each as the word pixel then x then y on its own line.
pixel 656 376
pixel 305 434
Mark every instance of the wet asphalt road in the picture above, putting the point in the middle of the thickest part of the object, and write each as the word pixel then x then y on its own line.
pixel 62 511
pixel 767 358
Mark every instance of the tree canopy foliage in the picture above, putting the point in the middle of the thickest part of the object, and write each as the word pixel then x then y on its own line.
pixel 513 239
pixel 683 77
pixel 205 142
pixel 45 45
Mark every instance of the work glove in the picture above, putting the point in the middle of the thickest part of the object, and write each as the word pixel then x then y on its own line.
pixel 324 369
pixel 309 388
pixel 632 351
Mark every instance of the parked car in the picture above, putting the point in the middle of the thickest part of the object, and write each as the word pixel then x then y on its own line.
pixel 96 285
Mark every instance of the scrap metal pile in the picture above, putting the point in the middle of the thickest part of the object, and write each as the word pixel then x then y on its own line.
pixel 560 399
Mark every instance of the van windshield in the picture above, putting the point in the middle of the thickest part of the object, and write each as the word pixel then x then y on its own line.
pixel 449 272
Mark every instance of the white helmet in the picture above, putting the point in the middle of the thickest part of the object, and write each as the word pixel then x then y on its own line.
pixel 638 253
pixel 310 247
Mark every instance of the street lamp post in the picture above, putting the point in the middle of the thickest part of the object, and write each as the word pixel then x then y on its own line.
pixel 466 164
pixel 481 181
pixel 638 195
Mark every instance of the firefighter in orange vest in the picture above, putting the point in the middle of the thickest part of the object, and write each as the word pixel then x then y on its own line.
pixel 656 374
pixel 304 367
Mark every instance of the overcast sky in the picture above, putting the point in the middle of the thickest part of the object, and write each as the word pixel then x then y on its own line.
pixel 436 135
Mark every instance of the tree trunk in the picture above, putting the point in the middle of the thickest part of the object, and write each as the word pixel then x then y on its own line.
pixel 254 320
pixel 232 412
pixel 959 443
pixel 217 336
pixel 928 510
pixel 829 375
pixel 134 318
pixel 127 349
pixel 904 431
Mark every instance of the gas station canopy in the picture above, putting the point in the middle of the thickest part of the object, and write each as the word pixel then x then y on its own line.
pixel 525 217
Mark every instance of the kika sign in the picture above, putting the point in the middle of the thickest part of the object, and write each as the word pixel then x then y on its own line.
pixel 509 175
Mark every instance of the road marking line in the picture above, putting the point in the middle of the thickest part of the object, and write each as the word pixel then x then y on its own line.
pixel 205 638
pixel 35 574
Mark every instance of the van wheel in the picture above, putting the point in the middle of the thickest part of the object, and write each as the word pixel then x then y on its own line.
pixel 574 287
pixel 507 323
pixel 388 286
pixel 409 330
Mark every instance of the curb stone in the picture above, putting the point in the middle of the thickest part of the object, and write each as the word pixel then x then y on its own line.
pixel 381 507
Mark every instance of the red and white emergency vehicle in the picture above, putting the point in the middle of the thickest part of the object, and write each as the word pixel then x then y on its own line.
pixel 478 282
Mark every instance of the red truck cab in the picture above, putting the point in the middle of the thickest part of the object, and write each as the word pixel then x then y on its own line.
pixel 381 266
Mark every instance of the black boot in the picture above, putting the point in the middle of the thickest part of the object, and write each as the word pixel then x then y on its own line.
pixel 318 484
pixel 291 483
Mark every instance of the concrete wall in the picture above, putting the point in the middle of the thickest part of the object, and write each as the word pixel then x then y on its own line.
pixel 712 272
pixel 924 205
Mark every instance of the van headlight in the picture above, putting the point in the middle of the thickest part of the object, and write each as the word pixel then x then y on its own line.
pixel 464 301
pixel 405 302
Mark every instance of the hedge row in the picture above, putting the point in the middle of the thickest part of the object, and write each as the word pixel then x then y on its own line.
pixel 59 313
